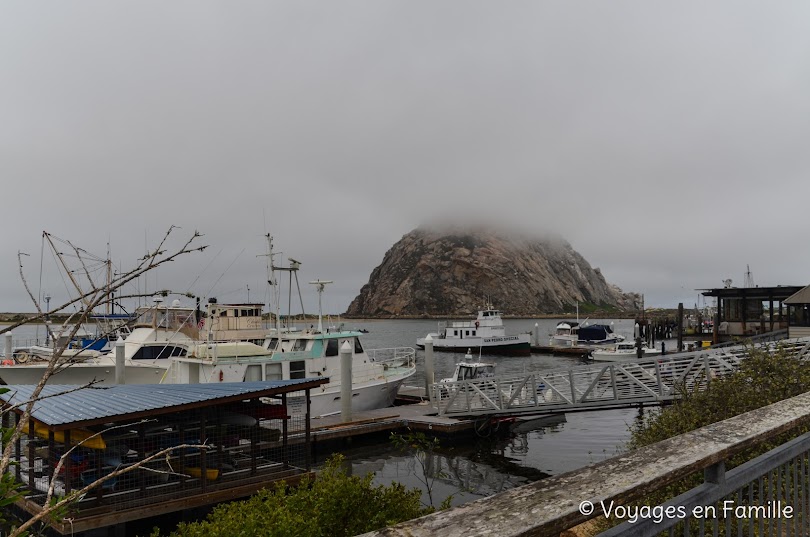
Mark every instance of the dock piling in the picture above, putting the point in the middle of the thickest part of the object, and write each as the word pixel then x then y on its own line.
pixel 9 350
pixel 120 368
pixel 346 382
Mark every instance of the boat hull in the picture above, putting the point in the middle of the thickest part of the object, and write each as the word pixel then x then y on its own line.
pixel 612 356
pixel 82 373
pixel 366 397
pixel 518 348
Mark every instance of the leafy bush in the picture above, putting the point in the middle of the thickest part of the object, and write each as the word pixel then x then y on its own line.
pixel 334 505
pixel 762 379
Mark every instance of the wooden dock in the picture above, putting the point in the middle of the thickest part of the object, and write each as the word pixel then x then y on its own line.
pixel 549 349
pixel 417 417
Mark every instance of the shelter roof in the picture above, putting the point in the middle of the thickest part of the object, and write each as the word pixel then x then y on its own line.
pixel 780 292
pixel 802 296
pixel 63 406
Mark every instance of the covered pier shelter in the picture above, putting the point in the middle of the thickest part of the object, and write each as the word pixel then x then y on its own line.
pixel 749 311
pixel 239 438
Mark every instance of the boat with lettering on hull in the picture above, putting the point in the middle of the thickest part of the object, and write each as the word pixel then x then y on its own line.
pixel 486 333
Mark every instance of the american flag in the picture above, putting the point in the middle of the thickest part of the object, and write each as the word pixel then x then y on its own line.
pixel 201 323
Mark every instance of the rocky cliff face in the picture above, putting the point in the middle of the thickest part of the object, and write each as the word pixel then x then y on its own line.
pixel 453 272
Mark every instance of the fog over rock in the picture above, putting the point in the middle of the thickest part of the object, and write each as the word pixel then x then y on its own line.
pixel 453 271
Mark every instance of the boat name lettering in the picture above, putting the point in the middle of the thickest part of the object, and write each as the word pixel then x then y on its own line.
pixel 495 339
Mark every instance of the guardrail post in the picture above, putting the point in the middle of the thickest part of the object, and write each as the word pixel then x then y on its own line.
pixel 715 474
pixel 571 381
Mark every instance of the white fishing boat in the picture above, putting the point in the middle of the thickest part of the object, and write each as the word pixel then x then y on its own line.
pixel 471 371
pixel 486 334
pixel 623 351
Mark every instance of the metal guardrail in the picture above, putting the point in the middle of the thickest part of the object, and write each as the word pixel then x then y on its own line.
pixel 768 495
pixel 776 335
pixel 776 480
pixel 393 356
pixel 608 385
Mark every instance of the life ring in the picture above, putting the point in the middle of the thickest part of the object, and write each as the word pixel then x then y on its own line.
pixel 21 357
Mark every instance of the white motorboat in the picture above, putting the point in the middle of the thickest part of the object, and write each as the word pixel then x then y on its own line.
pixel 570 334
pixel 376 374
pixel 158 333
pixel 486 334
pixel 623 351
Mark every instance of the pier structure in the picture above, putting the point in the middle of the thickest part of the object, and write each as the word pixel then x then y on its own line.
pixel 767 495
pixel 600 386
pixel 160 448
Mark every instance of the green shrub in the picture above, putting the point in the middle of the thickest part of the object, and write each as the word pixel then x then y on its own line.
pixel 762 379
pixel 333 505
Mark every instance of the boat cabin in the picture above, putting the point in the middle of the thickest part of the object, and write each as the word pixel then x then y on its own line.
pixel 489 323
pixel 226 322
pixel 749 311
pixel 470 371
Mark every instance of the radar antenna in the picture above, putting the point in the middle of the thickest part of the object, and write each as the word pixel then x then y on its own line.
pixel 319 286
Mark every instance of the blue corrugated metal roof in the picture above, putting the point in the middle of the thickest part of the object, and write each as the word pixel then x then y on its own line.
pixel 106 402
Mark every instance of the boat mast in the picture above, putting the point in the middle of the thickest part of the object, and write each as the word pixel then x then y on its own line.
pixel 271 280
pixel 319 285
pixel 85 300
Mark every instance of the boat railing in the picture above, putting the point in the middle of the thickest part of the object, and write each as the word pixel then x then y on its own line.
pixel 393 356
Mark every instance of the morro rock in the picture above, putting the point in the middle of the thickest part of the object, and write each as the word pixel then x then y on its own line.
pixel 454 272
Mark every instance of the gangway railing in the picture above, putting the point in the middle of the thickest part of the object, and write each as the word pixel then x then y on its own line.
pixel 608 385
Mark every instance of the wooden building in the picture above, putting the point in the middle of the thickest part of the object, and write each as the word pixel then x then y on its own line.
pixel 239 438
pixel 749 311
pixel 799 313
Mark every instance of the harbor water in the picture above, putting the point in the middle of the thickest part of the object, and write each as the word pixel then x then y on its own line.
pixel 502 460
pixel 493 461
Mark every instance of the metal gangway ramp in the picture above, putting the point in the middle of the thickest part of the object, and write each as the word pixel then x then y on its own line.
pixel 599 386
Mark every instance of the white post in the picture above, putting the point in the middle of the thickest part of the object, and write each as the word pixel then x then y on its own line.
pixel 536 335
pixel 430 373
pixel 346 382
pixel 119 362
pixel 9 350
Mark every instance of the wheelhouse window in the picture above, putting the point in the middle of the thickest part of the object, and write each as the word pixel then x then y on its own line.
pixel 332 348
pixel 300 345
pixel 154 352
pixel 298 370
pixel 358 348
pixel 273 371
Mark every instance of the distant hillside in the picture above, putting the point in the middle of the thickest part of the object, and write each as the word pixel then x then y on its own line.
pixel 452 272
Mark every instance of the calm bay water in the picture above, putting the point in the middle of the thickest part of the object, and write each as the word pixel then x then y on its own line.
pixel 490 464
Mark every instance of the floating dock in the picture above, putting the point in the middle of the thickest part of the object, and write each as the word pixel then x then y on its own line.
pixel 550 349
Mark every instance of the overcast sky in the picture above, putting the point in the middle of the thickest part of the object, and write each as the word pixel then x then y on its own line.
pixel 666 141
